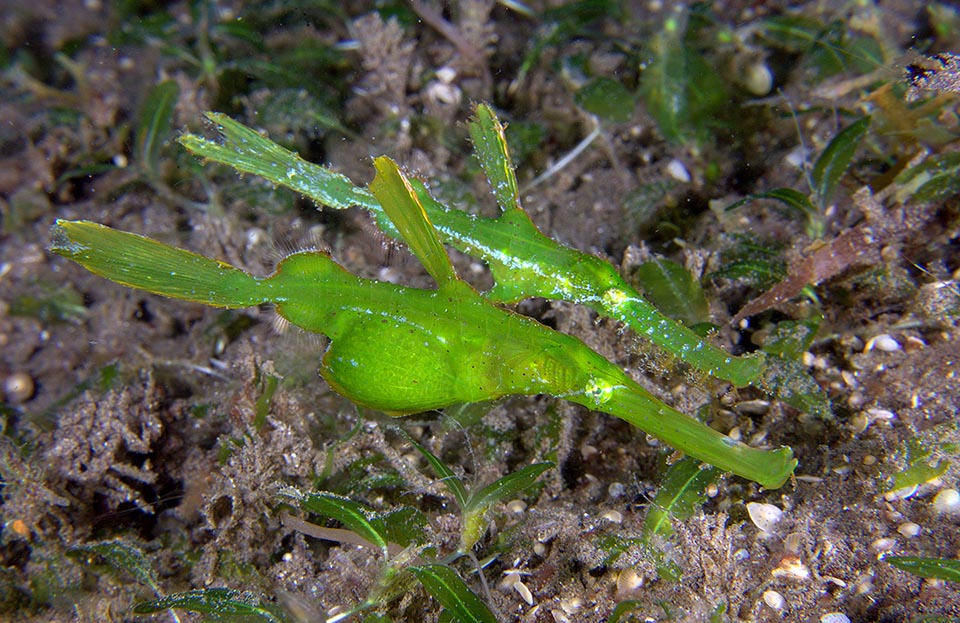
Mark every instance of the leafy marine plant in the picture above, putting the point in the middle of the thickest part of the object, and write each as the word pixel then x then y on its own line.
pixel 405 350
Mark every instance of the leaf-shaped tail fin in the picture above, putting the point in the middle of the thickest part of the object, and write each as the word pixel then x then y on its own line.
pixel 402 205
pixel 139 262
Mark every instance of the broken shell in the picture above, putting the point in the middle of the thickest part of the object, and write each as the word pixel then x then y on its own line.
pixel 794 543
pixel 774 599
pixel 947 501
pixel 909 529
pixel 792 567
pixel 628 582
pixel 571 605
pixel 883 545
pixel 613 516
pixel 559 616
pixel 835 617
pixel 880 415
pixel 516 506
pixel 913 344
pixel 764 516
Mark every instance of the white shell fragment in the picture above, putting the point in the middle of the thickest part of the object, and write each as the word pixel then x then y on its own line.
pixel 678 171
pixel 835 617
pixel 883 342
pixel 774 599
pixel 764 516
pixel 947 501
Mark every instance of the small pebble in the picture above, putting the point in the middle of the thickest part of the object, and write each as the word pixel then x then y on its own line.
pixel 900 494
pixel 616 490
pixel 909 529
pixel 758 79
pixel 18 387
pixel 754 407
pixel 947 501
pixel 764 516
pixel 774 599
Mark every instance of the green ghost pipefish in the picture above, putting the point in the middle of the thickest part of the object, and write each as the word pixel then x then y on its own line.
pixel 404 350
pixel 525 263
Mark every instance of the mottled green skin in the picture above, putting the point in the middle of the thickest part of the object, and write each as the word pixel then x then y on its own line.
pixel 405 350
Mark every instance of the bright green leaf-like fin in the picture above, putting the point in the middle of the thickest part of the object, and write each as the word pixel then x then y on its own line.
pixel 402 205
pixel 494 156
pixel 139 262
pixel 246 150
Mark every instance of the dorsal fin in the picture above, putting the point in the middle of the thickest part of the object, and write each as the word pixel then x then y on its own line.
pixel 402 205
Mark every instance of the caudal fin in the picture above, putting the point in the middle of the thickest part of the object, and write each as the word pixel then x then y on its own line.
pixel 139 262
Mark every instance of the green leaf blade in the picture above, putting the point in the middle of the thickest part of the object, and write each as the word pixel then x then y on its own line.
pixel 836 159
pixel 507 487
pixel 352 515
pixel 682 492
pixel 220 604
pixel 938 568
pixel 606 98
pixel 450 480
pixel 121 556
pixel 154 124
pixel 446 586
